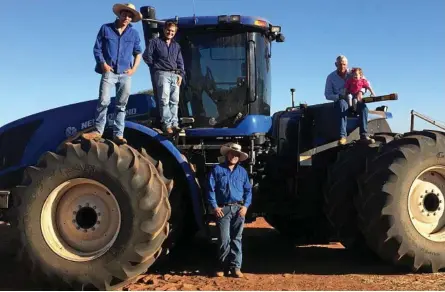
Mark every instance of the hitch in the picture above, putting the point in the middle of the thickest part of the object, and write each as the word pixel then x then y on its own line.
pixel 4 199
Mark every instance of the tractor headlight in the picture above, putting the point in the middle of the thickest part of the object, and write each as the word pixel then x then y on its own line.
pixel 275 29
pixel 235 18
pixel 223 18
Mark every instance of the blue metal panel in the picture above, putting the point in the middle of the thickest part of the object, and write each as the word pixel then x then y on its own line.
pixel 213 20
pixel 193 187
pixel 250 125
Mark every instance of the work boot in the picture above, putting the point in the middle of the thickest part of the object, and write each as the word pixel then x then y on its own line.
pixel 366 140
pixel 176 129
pixel 92 135
pixel 342 141
pixel 119 140
pixel 219 274
pixel 237 273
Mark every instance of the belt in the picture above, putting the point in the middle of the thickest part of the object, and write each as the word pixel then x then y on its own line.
pixel 173 71
pixel 241 203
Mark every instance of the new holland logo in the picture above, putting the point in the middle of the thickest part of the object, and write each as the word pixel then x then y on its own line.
pixel 70 131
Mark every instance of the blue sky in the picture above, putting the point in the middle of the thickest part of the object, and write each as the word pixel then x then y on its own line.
pixel 47 58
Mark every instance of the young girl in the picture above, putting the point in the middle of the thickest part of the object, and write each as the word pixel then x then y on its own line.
pixel 354 86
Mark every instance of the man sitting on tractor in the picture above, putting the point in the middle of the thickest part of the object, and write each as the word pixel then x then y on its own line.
pixel 335 91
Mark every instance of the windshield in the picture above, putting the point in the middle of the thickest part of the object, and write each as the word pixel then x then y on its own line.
pixel 215 84
pixel 263 76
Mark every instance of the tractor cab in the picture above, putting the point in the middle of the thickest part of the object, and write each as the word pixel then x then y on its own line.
pixel 227 66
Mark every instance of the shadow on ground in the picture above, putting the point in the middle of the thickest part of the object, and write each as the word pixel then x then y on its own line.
pixel 265 252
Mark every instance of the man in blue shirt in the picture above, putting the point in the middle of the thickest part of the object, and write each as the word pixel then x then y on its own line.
pixel 116 45
pixel 163 56
pixel 230 194
pixel 335 91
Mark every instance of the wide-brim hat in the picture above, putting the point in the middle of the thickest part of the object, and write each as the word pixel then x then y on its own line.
pixel 117 8
pixel 234 147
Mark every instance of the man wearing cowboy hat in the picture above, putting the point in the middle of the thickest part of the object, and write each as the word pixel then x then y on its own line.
pixel 116 45
pixel 230 194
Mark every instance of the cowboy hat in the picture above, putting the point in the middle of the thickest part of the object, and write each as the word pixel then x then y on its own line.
pixel 233 147
pixel 117 8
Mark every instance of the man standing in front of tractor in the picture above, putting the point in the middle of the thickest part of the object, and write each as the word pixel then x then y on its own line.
pixel 230 194
pixel 164 58
pixel 335 91
pixel 116 45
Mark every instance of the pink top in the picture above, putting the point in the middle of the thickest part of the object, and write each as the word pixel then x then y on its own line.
pixel 353 85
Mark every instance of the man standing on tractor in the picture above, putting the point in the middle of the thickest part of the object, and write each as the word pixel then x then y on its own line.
pixel 116 45
pixel 230 194
pixel 163 56
pixel 335 91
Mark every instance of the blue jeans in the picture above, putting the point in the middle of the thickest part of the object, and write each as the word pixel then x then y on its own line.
pixel 230 227
pixel 122 82
pixel 342 109
pixel 168 97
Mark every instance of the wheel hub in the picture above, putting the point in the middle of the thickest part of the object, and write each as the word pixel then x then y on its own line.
pixel 80 220
pixel 426 203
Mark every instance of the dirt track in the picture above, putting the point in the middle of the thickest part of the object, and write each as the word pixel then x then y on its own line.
pixel 270 263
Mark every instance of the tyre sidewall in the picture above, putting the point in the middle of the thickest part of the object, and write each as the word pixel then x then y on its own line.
pixel 399 208
pixel 35 196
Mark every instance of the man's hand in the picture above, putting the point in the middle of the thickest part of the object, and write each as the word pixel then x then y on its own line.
pixel 179 80
pixel 242 212
pixel 359 96
pixel 130 71
pixel 107 68
pixel 218 212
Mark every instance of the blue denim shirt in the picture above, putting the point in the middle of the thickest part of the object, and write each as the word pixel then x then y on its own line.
pixel 115 49
pixel 227 186
pixel 159 56
pixel 335 85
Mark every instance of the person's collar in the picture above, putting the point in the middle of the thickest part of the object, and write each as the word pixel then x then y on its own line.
pixel 226 164
pixel 116 22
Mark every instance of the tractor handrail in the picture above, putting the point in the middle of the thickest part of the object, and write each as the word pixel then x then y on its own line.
pixel 425 118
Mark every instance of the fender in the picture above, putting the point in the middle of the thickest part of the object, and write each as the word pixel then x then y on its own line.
pixel 190 176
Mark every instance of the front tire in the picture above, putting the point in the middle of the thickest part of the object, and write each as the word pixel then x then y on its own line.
pixel 94 213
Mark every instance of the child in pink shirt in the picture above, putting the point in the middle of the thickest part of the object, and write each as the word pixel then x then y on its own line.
pixel 354 85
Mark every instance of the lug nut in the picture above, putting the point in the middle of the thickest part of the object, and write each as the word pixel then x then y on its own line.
pixel 78 227
pixel 74 212
pixel 94 207
pixel 98 222
pixel 87 204
pixel 80 207
pixel 74 221
pixel 93 228
pixel 85 230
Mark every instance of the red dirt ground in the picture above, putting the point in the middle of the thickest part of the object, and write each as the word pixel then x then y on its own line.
pixel 270 263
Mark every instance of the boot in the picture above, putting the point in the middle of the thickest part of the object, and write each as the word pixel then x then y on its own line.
pixel 119 140
pixel 92 135
pixel 237 273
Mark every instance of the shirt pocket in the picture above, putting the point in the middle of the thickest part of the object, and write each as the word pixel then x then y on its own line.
pixel 111 39
pixel 238 183
pixel 222 182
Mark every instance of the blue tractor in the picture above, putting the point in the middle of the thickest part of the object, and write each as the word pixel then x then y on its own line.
pixel 97 213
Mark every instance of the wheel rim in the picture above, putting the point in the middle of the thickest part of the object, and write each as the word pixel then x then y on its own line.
pixel 80 220
pixel 426 203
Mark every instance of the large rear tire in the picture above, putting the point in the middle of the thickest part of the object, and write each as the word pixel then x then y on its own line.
pixel 341 188
pixel 401 202
pixel 94 213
